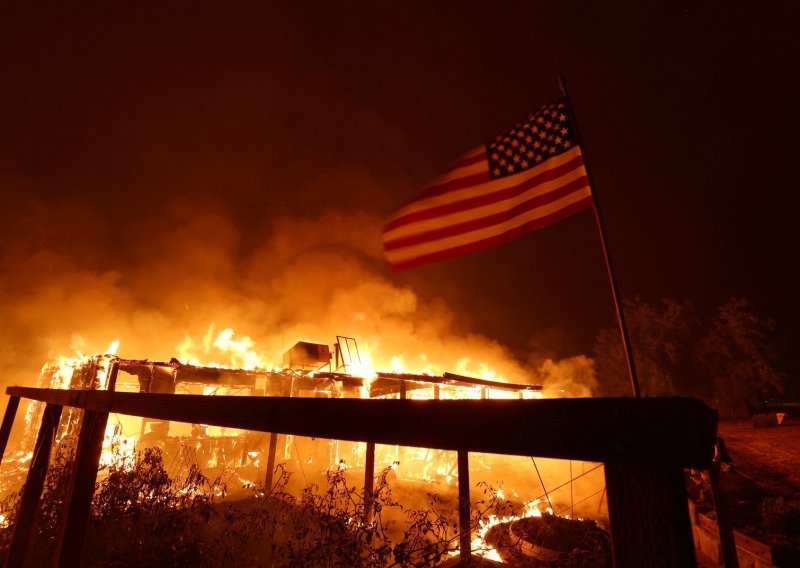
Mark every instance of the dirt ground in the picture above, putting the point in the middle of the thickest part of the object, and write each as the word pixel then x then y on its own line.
pixel 762 485
pixel 770 456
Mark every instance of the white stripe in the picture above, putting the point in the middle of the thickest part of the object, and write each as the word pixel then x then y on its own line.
pixel 415 251
pixel 490 186
pixel 443 221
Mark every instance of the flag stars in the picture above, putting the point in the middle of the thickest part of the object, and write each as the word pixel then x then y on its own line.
pixel 539 137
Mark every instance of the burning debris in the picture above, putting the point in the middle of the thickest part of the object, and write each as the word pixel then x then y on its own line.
pixel 552 542
pixel 310 370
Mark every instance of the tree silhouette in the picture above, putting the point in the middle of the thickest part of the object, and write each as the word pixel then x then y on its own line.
pixel 740 357
pixel 661 336
pixel 728 359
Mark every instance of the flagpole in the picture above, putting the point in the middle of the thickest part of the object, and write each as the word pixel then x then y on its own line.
pixel 623 328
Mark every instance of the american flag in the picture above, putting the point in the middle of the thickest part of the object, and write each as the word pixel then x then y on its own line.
pixel 526 179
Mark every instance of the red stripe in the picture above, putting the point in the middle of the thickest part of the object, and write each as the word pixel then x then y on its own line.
pixel 469 160
pixel 454 184
pixel 487 198
pixel 497 240
pixel 490 220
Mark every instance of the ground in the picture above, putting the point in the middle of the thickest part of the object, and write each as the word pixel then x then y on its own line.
pixel 771 456
pixel 763 484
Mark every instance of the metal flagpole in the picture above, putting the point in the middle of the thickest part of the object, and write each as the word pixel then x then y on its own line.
pixel 623 328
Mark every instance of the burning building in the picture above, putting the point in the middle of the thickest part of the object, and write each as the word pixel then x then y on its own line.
pixel 338 371
pixel 309 370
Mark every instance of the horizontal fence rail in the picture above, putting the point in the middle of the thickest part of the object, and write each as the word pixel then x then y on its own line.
pixel 644 444
pixel 680 431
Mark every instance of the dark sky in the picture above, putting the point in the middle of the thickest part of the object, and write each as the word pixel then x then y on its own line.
pixel 122 121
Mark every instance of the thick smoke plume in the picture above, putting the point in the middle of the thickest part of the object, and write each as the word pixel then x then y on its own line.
pixel 165 283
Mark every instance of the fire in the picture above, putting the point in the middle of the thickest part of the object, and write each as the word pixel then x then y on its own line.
pixel 479 545
pixel 410 377
pixel 240 352
pixel 117 448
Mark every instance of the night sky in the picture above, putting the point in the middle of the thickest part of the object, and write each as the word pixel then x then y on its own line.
pixel 122 125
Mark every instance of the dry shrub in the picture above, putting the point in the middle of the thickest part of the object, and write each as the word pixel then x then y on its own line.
pixel 141 516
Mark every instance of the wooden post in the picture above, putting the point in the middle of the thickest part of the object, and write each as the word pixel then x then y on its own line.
pixel 649 515
pixel 78 500
pixel 369 480
pixel 724 522
pixel 273 446
pixel 8 423
pixel 402 451
pixel 464 533
pixel 32 492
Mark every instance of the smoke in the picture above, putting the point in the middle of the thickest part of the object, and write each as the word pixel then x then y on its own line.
pixel 76 277
pixel 570 377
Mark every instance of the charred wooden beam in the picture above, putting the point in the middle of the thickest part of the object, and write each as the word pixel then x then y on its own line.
pixel 464 533
pixel 273 447
pixel 8 423
pixel 80 489
pixel 34 483
pixel 677 431
pixel 472 381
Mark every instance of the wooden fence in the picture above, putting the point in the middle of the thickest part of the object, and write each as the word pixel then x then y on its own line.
pixel 644 444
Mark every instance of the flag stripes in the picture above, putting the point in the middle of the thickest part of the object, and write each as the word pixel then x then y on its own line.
pixel 465 211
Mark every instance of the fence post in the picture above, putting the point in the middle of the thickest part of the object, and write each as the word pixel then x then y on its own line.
pixel 730 559
pixel 80 490
pixel 369 480
pixel 33 486
pixel 464 533
pixel 649 515
pixel 8 422
pixel 273 448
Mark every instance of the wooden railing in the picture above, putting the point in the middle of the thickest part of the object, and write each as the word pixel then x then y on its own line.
pixel 644 444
